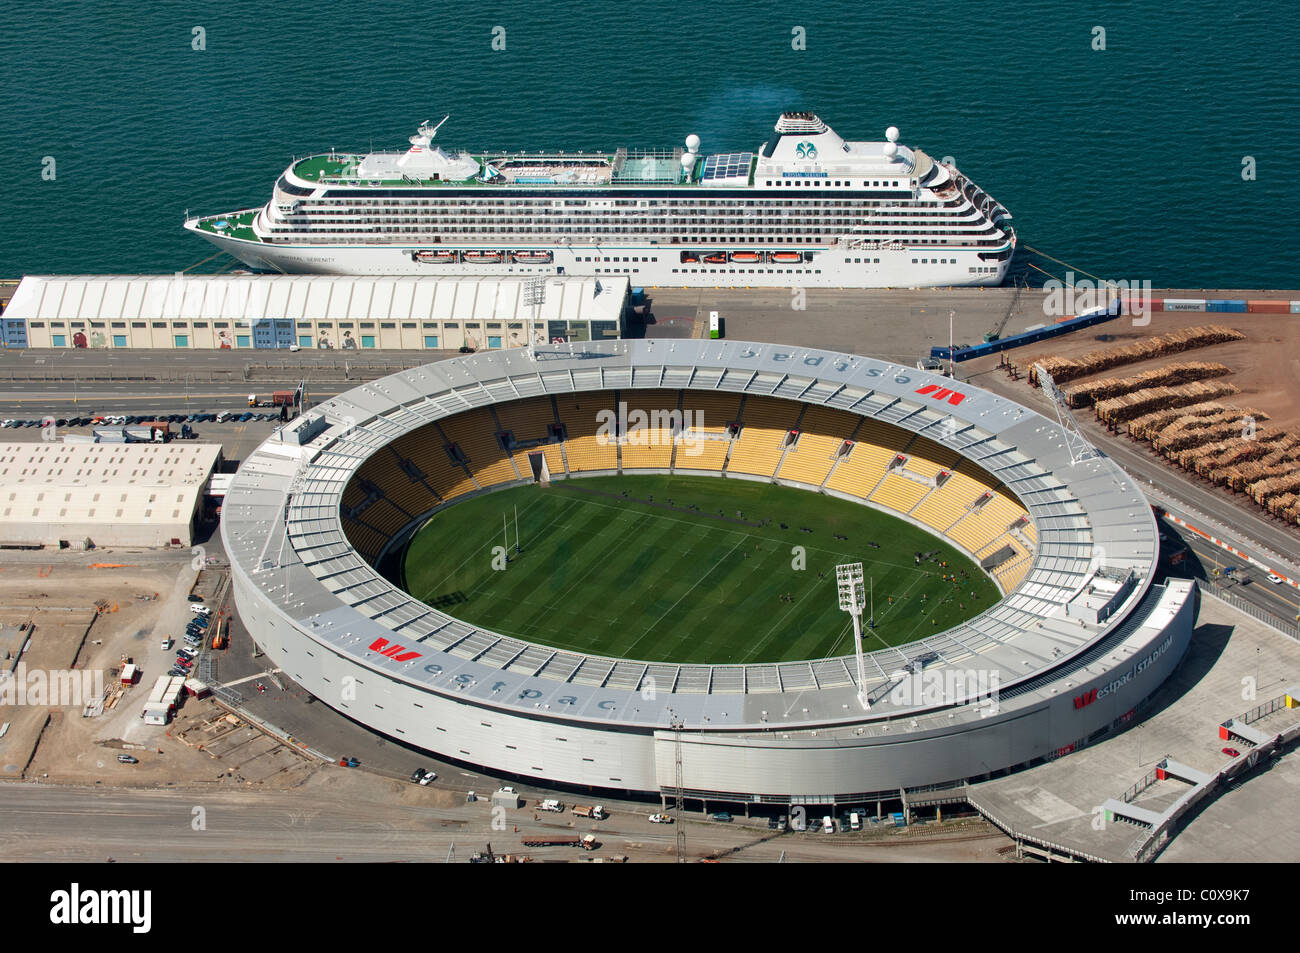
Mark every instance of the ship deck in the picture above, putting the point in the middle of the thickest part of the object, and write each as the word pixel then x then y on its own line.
pixel 237 225
pixel 635 170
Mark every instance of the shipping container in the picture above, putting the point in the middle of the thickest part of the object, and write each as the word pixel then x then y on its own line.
pixel 1184 304
pixel 1268 307
pixel 1226 306
pixel 1295 307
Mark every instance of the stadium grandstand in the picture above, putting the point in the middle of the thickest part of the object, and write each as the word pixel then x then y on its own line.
pixel 1072 548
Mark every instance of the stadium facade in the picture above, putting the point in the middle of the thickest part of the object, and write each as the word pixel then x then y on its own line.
pixel 1081 636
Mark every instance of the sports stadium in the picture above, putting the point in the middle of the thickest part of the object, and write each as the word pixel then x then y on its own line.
pixel 612 565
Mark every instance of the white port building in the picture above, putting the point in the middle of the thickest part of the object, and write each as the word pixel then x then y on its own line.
pixel 110 494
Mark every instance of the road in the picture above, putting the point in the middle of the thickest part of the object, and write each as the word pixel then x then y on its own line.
pixel 1206 560
pixel 73 824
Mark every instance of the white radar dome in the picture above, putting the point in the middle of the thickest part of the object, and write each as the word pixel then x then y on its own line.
pixel 692 143
pixel 890 150
pixel 688 162
pixel 892 133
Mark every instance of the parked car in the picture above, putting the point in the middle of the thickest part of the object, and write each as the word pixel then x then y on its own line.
pixel 722 816
pixel 1232 752
pixel 188 653
pixel 429 778
pixel 128 759
pixel 176 671
pixel 661 818
pixel 418 774
pixel 167 643
pixel 194 597
pixel 348 762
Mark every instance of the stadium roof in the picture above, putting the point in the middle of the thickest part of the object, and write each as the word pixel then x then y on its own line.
pixel 1088 516
pixel 253 298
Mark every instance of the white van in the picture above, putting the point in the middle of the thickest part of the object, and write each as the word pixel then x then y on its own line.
pixel 199 608
pixel 828 825
pixel 855 821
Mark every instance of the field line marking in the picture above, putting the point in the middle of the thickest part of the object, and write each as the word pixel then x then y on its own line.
pixel 466 560
pixel 684 595
pixel 707 521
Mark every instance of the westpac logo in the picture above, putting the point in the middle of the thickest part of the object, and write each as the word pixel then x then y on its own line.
pixel 77 906
pixel 939 393
pixel 1086 699
pixel 398 653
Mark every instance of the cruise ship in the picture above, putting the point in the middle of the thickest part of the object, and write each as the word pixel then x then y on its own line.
pixel 807 209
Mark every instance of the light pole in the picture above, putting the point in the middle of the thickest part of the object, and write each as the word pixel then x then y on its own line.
pixel 950 339
pixel 848 579
pixel 535 297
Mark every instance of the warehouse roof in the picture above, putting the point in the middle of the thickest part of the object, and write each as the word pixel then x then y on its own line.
pixel 253 298
pixel 112 483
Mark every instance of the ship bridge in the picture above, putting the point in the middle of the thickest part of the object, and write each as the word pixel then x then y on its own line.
pixel 802 144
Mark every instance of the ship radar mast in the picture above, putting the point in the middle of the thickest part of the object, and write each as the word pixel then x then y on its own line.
pixel 431 131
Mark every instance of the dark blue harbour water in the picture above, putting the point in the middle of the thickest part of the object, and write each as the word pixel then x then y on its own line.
pixel 1124 162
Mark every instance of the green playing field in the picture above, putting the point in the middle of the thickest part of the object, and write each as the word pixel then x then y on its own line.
pixel 685 569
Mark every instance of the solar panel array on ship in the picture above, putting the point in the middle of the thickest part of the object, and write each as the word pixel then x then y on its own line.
pixel 726 168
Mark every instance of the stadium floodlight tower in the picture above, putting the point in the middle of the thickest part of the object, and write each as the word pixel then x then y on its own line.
pixel 535 297
pixel 848 577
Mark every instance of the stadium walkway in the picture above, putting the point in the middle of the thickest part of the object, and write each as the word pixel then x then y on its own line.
pixel 1057 804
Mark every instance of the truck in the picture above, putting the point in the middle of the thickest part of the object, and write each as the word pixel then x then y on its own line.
pixel 554 840
pixel 129 674
pixel 279 398
pixel 596 813
pixel 550 804
pixel 148 433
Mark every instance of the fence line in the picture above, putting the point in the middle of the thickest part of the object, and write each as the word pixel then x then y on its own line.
pixel 1255 612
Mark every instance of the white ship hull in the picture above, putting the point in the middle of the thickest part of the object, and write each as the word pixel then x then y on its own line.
pixel 830 268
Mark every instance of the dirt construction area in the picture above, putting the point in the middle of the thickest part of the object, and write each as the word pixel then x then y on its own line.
pixel 67 631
